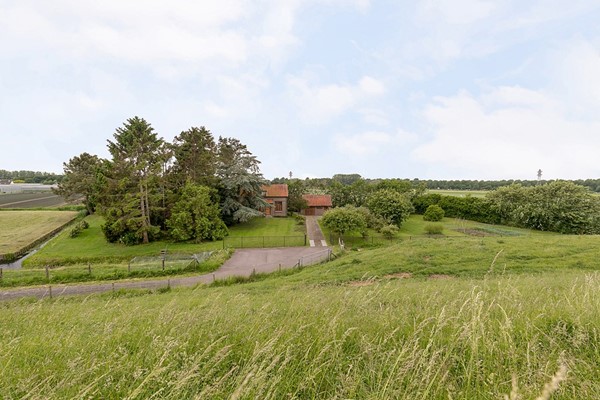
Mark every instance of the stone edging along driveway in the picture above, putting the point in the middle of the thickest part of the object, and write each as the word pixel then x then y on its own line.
pixel 243 262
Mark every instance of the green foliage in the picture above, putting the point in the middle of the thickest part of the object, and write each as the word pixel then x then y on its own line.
pixel 434 213
pixel 195 216
pixel 195 157
pixel 472 208
pixel 240 187
pixel 296 189
pixel 82 178
pixel 434 229
pixel 133 191
pixel 422 202
pixel 346 179
pixel 389 231
pixel 341 220
pixel 390 205
pixel 78 228
pixel 558 206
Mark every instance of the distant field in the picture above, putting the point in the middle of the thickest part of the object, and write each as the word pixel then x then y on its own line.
pixel 460 193
pixel 20 228
pixel 30 200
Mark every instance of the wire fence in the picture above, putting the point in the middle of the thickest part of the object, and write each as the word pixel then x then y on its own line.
pixel 353 241
pixel 315 258
pixel 241 242
pixel 168 261
pixel 138 266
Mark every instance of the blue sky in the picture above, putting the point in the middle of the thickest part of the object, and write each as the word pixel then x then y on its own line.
pixel 430 89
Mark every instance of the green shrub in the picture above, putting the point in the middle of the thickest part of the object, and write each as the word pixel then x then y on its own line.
pixel 78 228
pixel 434 229
pixel 434 213
pixel 389 231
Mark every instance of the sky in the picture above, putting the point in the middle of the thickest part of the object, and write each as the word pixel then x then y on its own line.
pixel 428 89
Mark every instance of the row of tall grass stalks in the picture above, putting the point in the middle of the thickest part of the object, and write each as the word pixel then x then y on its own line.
pixel 512 336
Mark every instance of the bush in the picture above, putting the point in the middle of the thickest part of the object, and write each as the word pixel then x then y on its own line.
pixel 389 231
pixel 434 229
pixel 434 213
pixel 78 228
pixel 75 231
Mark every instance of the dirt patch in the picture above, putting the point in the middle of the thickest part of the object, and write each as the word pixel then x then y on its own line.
pixel 360 283
pixel 399 275
pixel 475 232
pixel 440 276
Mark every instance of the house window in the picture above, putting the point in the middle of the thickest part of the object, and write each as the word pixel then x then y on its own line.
pixel 279 206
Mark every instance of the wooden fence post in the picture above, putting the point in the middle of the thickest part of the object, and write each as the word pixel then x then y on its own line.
pixel 0 273
pixel 50 290
pixel 264 241
pixel 89 268
pixel 47 273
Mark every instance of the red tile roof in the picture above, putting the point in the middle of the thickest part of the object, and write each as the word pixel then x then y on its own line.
pixel 318 200
pixel 278 190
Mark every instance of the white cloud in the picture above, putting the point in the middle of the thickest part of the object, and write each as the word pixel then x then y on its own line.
pixel 456 11
pixel 508 132
pixel 371 142
pixel 319 104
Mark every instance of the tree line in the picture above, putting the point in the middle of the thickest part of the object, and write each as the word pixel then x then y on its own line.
pixel 189 189
pixel 350 179
pixel 46 178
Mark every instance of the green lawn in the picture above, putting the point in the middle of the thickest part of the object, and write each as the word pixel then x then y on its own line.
pixel 458 318
pixel 91 246
pixel 268 227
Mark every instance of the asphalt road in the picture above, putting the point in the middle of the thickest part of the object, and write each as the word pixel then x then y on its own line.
pixel 242 263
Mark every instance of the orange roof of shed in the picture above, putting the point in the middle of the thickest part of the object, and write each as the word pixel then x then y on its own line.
pixel 318 200
pixel 277 190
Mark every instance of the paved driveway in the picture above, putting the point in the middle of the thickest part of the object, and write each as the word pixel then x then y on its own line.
pixel 242 263
pixel 314 233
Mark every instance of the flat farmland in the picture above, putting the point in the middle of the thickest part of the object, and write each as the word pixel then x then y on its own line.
pixel 21 228
pixel 31 200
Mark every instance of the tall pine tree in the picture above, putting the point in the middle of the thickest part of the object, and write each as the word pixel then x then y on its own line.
pixel 135 174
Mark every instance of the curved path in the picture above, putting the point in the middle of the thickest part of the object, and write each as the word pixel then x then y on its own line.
pixel 242 263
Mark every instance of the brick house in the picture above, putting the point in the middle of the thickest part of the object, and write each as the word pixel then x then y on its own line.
pixel 277 197
pixel 317 204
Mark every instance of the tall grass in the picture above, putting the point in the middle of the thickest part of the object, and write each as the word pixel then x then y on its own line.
pixel 396 339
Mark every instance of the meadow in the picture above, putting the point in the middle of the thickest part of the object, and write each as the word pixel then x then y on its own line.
pixel 458 318
pixel 91 246
pixel 21 228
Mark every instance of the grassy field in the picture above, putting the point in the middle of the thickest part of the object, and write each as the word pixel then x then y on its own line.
pixel 31 200
pixel 20 228
pixel 459 193
pixel 91 246
pixel 459 318
pixel 415 226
